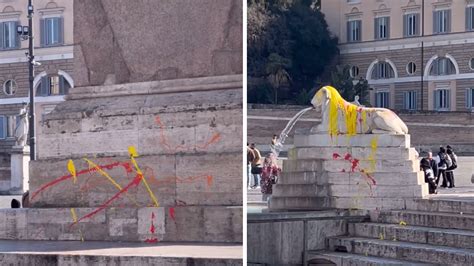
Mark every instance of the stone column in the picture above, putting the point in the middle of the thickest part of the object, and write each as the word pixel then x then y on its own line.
pixel 19 169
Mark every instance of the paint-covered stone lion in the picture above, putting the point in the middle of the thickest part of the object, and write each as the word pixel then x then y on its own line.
pixel 342 117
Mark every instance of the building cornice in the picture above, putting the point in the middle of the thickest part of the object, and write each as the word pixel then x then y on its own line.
pixel 41 54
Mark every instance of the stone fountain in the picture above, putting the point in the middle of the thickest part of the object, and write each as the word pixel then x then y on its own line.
pixel 356 158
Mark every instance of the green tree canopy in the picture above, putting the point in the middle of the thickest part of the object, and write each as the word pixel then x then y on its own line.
pixel 289 47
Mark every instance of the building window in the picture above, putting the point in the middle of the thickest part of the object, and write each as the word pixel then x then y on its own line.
pixel 53 85
pixel 470 98
pixel 470 18
pixel 12 122
pixel 411 25
pixel 353 1
pixel 9 87
pixel 52 31
pixel 10 39
pixel 382 70
pixel 354 71
pixel 3 123
pixel 441 100
pixel 442 21
pixel 471 63
pixel 442 66
pixel 382 28
pixel 411 68
pixel 354 30
pixel 381 99
pixel 410 100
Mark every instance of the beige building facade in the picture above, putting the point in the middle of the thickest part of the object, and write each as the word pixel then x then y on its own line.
pixel 397 44
pixel 53 41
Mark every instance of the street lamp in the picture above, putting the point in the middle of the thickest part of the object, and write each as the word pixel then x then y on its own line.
pixel 26 33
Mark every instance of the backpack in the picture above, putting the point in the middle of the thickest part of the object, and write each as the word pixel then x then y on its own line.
pixel 449 162
pixel 454 164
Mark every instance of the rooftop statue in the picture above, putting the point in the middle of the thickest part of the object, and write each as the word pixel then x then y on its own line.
pixel 342 117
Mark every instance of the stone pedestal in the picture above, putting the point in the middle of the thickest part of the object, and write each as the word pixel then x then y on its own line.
pixel 369 171
pixel 19 169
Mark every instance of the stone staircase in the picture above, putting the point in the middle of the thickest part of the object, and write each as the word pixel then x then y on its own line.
pixel 430 232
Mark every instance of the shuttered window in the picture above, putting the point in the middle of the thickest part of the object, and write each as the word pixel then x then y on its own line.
pixel 470 98
pixel 9 39
pixel 441 99
pixel 382 99
pixel 52 31
pixel 410 100
pixel 354 31
pixel 441 21
pixel 3 127
pixel 411 25
pixel 382 70
pixel 382 28
pixel 470 18
pixel 12 122
pixel 442 66
pixel 53 85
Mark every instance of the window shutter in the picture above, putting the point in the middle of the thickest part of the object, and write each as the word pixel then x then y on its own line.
pixel 359 30
pixel 44 89
pixel 436 100
pixel 415 100
pixel 42 33
pixel 405 25
pixel 448 18
pixel 376 28
pixel 468 13
pixel 348 31
pixel 387 27
pixel 61 86
pixel 448 99
pixel 61 30
pixel 435 21
pixel 468 98
pixel 405 97
pixel 417 24
pixel 2 36
pixel 17 37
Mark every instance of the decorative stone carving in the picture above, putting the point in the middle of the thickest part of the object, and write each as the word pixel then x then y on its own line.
pixel 342 117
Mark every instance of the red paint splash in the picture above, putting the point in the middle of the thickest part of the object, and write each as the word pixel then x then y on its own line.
pixel 151 240
pixel 171 212
pixel 152 226
pixel 348 157
pixel 126 166
pixel 355 164
pixel 135 182
pixel 335 156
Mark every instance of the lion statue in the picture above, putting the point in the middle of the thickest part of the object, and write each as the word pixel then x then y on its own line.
pixel 342 117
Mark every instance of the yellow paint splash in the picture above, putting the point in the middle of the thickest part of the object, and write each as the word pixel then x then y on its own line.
pixel 74 219
pixel 338 105
pixel 72 169
pixel 403 223
pixel 373 152
pixel 92 165
pixel 133 153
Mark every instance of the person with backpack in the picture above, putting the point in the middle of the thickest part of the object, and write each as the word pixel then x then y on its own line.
pixel 443 163
pixel 454 164
pixel 429 175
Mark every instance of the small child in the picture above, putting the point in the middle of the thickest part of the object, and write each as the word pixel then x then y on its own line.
pixel 270 174
pixel 429 175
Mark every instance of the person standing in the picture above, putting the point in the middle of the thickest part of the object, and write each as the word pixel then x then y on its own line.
pixel 454 164
pixel 256 166
pixel 270 173
pixel 250 159
pixel 433 164
pixel 425 165
pixel 442 166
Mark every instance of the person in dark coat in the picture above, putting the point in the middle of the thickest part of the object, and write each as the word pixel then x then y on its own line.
pixel 433 164
pixel 442 166
pixel 425 165
pixel 454 165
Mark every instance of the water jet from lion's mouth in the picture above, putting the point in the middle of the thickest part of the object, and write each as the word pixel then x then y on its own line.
pixel 276 149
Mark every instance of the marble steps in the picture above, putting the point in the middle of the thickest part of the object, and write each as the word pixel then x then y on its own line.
pixel 446 220
pixel 346 259
pixel 414 234
pixel 412 252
